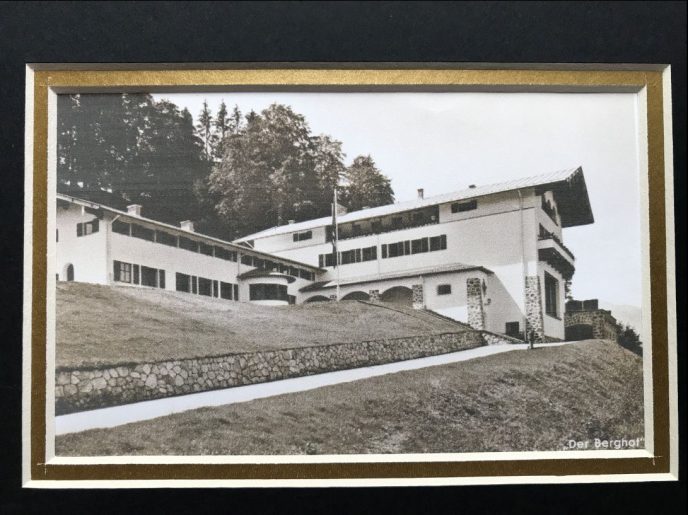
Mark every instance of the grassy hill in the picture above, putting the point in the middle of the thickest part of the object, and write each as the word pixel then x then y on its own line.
pixel 107 325
pixel 516 401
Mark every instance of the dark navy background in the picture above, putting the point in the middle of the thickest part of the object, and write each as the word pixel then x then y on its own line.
pixel 642 32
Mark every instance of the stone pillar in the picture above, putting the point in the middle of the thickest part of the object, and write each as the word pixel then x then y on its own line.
pixel 534 318
pixel 475 303
pixel 374 295
pixel 418 301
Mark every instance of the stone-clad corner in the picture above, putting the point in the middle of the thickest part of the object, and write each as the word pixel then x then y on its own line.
pixel 78 389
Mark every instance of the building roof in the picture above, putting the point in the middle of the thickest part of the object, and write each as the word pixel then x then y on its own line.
pixel 568 186
pixel 415 272
pixel 179 231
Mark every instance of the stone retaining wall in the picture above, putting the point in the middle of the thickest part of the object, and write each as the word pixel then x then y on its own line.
pixel 78 389
pixel 491 338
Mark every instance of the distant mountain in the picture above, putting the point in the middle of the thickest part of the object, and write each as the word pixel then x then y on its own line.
pixel 631 315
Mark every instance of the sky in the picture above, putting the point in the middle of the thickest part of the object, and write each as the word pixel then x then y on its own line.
pixel 444 142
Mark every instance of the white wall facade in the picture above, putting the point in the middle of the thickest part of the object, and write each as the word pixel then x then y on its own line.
pixel 501 235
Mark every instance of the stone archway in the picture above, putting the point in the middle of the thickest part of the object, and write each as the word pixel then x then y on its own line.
pixel 399 295
pixel 356 295
pixel 318 298
pixel 579 332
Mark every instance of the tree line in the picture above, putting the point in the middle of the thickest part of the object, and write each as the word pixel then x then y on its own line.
pixel 233 173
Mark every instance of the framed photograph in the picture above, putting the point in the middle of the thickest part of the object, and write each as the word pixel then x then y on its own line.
pixel 351 274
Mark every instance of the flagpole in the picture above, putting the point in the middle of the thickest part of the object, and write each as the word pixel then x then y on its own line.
pixel 336 238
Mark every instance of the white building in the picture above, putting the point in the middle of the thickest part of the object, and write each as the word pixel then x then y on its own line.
pixel 491 256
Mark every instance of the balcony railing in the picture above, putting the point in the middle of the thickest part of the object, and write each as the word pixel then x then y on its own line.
pixel 551 236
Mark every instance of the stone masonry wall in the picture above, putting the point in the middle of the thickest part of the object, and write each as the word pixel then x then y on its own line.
pixel 602 322
pixel 418 301
pixel 474 301
pixel 534 318
pixel 81 389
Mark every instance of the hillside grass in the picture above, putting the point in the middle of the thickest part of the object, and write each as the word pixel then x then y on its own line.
pixel 99 325
pixel 521 400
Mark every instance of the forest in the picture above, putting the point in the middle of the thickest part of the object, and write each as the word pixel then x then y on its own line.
pixel 233 173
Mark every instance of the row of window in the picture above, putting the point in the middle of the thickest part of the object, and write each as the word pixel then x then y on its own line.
pixel 419 246
pixel 171 240
pixel 207 287
pixel 182 242
pixel 138 274
pixel 409 220
pixel 349 256
pixel 389 250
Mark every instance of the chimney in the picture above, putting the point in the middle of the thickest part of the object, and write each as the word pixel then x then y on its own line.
pixel 420 193
pixel 291 222
pixel 471 186
pixel 187 225
pixel 134 209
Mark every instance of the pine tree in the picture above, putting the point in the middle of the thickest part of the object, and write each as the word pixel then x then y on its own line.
pixel 365 185
pixel 222 130
pixel 204 127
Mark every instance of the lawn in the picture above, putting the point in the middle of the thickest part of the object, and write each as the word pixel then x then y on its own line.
pixel 110 325
pixel 516 401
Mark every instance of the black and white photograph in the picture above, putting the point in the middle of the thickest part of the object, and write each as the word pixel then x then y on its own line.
pixel 286 273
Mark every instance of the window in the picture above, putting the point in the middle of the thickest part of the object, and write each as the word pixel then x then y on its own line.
pixel 326 260
pixel 513 329
pixel 460 207
pixel 419 246
pixel 183 282
pixel 551 296
pixel 86 228
pixel 305 274
pixel 438 243
pixel 216 289
pixel 205 287
pixel 548 208
pixel 376 226
pixel 247 260
pixel 206 249
pixel 57 235
pixel 149 276
pixel 166 238
pixel 228 255
pixel 370 254
pixel 120 227
pixel 122 272
pixel 188 244
pixel 397 222
pixel 225 290
pixel 268 292
pixel 418 218
pixel 236 291
pixel 144 233
pixel 444 289
pixel 194 284
pixel 136 274
pixel 161 279
pixel 301 236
